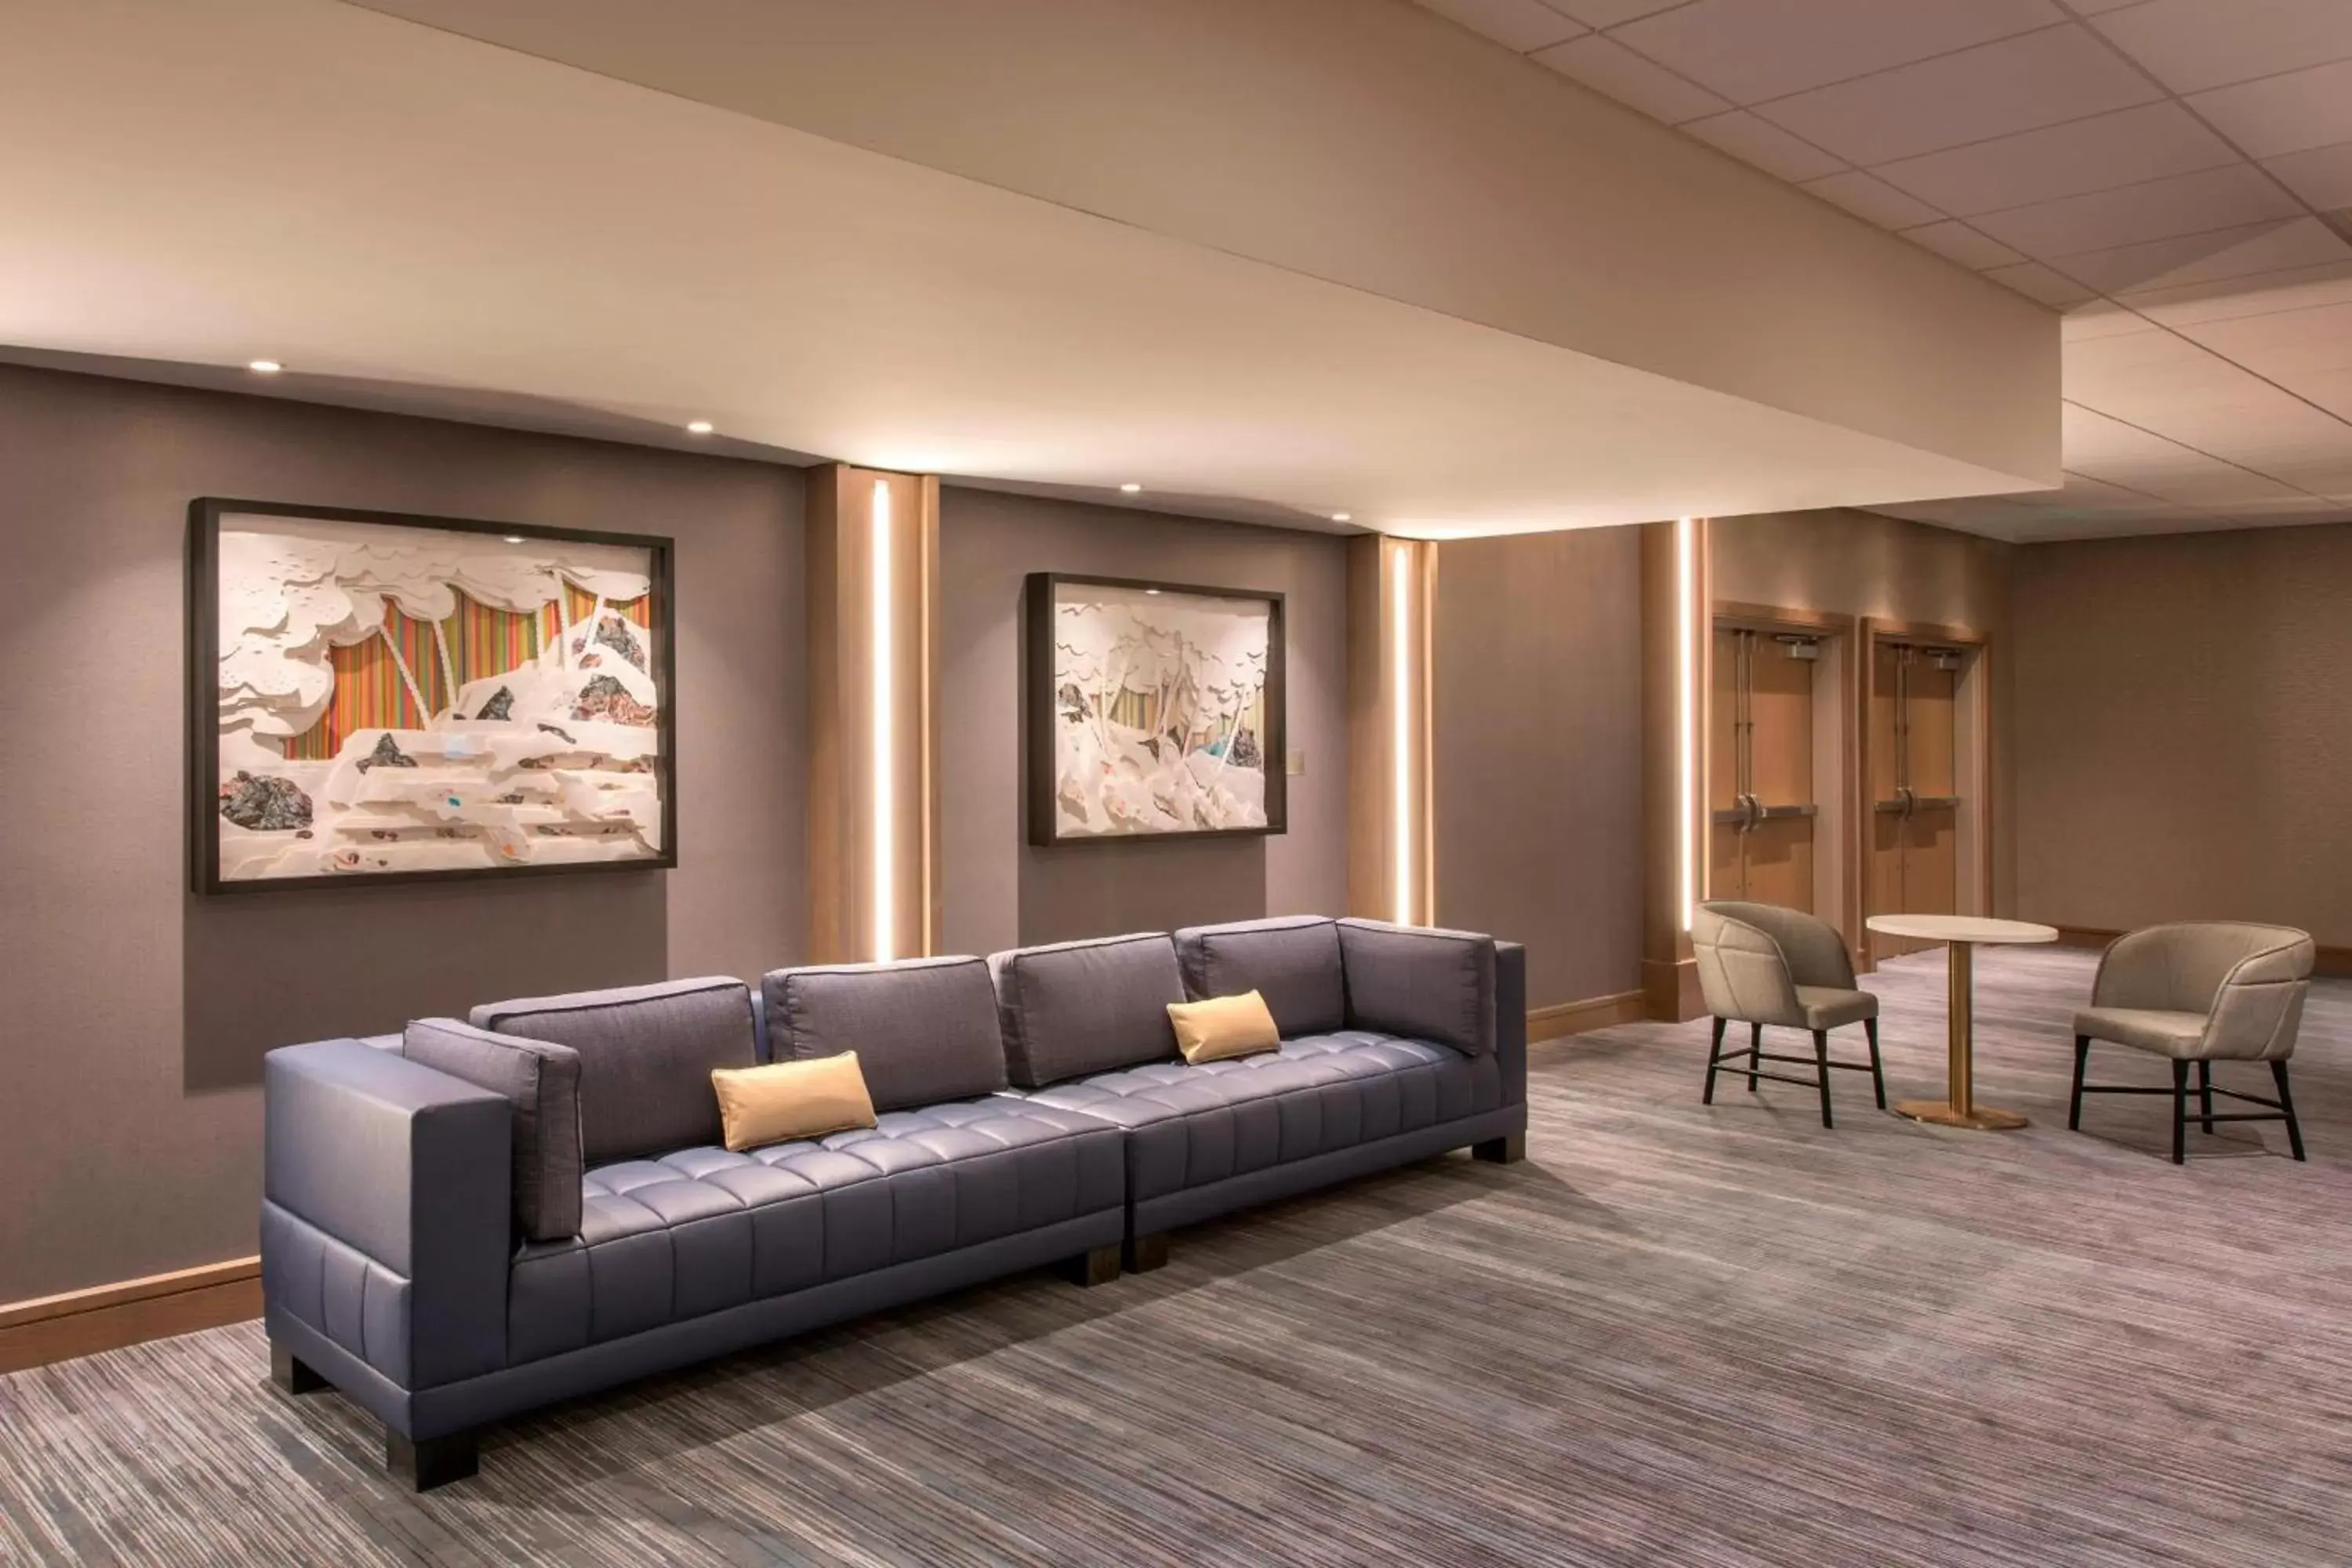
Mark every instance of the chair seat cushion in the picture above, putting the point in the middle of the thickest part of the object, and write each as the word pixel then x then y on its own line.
pixel 1190 1125
pixel 2168 1034
pixel 1826 1008
pixel 700 1230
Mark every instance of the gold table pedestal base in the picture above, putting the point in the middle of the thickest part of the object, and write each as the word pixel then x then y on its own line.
pixel 1981 1117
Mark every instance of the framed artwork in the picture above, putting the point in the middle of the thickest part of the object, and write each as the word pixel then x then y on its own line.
pixel 1154 710
pixel 375 697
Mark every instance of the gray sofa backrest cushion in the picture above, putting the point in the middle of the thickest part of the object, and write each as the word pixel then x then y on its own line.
pixel 1292 961
pixel 542 1079
pixel 1420 981
pixel 646 1056
pixel 924 1030
pixel 1080 1007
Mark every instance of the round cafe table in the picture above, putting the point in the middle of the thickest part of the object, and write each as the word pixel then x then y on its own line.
pixel 1960 934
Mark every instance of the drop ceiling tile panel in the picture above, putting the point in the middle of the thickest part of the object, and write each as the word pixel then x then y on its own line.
pixel 1959 242
pixel 2284 345
pixel 1518 24
pixel 1609 12
pixel 2131 214
pixel 2332 393
pixel 1995 89
pixel 1610 67
pixel 2245 251
pixel 1872 200
pixel 2119 149
pixel 1764 144
pixel 2320 176
pixel 2192 45
pixel 1753 49
pixel 2297 289
pixel 2036 281
pixel 2102 319
pixel 2093 7
pixel 2283 113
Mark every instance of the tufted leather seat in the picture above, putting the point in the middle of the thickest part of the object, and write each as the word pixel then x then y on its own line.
pixel 1190 1125
pixel 700 1230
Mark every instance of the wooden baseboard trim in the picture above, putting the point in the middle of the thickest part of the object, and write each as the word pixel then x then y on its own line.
pixel 1563 1019
pixel 108 1317
pixel 2332 961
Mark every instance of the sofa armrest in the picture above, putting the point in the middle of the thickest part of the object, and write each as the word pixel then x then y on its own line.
pixel 386 1209
pixel 1511 1019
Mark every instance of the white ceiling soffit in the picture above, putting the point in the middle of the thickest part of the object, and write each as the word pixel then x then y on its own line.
pixel 2176 174
pixel 1370 144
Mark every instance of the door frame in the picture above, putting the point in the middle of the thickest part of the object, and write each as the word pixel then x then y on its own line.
pixel 1840 782
pixel 1972 762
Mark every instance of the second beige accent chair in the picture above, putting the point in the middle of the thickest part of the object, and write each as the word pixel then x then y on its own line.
pixel 1762 964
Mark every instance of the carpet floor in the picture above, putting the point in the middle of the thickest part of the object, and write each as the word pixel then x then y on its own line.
pixel 1676 1334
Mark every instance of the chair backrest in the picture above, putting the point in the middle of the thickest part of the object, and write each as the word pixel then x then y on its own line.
pixel 2249 981
pixel 1752 957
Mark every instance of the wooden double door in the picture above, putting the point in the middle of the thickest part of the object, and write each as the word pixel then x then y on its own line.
pixel 1916 799
pixel 1763 816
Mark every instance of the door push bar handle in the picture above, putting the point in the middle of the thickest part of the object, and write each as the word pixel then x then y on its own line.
pixel 1751 810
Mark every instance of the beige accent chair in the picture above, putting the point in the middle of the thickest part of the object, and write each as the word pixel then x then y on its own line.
pixel 2202 992
pixel 1759 964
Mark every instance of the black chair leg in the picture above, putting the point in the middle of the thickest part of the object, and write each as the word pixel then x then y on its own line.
pixel 2081 1060
pixel 2286 1103
pixel 2205 1095
pixel 1713 1054
pixel 1755 1053
pixel 2179 1112
pixel 1877 1077
pixel 1821 1060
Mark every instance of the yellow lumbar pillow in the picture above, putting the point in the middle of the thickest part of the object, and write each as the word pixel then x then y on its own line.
pixel 785 1100
pixel 1222 1026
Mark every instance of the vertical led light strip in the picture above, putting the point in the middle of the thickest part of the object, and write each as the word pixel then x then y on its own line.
pixel 1686 710
pixel 886 880
pixel 1401 744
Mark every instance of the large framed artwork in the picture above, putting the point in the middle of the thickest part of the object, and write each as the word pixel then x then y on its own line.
pixel 375 697
pixel 1154 710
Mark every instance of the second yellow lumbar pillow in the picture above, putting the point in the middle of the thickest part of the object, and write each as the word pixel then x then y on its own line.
pixel 785 1100
pixel 1220 1026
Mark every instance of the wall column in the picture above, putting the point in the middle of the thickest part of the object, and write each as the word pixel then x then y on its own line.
pixel 872 674
pixel 1675 651
pixel 1392 602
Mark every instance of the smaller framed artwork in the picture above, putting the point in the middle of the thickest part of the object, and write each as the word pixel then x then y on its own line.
pixel 381 698
pixel 1154 710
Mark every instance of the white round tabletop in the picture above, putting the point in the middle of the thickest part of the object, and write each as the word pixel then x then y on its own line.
pixel 1960 928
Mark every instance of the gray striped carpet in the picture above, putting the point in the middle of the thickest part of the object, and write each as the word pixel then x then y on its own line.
pixel 1675 1335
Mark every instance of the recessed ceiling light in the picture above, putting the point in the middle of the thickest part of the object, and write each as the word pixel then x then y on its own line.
pixel 514 538
pixel 698 427
pixel 1154 593
pixel 1342 516
pixel 1129 489
pixel 264 367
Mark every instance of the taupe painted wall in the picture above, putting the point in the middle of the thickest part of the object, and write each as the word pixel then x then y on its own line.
pixel 998 892
pixel 1538 752
pixel 138 1014
pixel 1860 564
pixel 2184 730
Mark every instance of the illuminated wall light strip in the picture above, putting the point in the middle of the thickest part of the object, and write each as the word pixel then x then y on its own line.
pixel 1686 711
pixel 1401 640
pixel 885 710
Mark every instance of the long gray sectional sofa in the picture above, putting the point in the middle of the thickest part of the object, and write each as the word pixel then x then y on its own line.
pixel 472 1219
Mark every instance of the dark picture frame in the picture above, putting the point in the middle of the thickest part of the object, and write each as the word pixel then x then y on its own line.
pixel 205 515
pixel 1040 705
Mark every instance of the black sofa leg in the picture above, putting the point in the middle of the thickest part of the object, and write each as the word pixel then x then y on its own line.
pixel 2081 1060
pixel 1714 1055
pixel 290 1372
pixel 1822 1061
pixel 2205 1095
pixel 2286 1103
pixel 1877 1073
pixel 1145 1253
pixel 429 1462
pixel 2180 1113
pixel 1755 1053
pixel 1508 1150
pixel 1098 1265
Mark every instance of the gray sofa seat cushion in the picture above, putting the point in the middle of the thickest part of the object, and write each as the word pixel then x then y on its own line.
pixel 1420 981
pixel 924 1030
pixel 699 1230
pixel 1190 1125
pixel 1292 961
pixel 1830 1007
pixel 542 1081
pixel 1079 1008
pixel 646 1056
pixel 2157 1029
